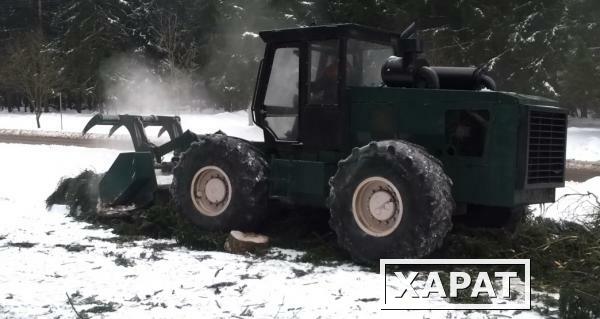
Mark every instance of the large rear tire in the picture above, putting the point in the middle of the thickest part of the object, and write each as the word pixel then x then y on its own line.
pixel 220 183
pixel 390 199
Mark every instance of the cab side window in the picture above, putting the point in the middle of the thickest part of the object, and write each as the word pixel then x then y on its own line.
pixel 324 64
pixel 283 82
pixel 281 99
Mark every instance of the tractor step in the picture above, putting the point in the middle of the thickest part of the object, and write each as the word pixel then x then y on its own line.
pixel 163 180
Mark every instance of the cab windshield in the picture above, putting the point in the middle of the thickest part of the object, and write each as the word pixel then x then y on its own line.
pixel 364 62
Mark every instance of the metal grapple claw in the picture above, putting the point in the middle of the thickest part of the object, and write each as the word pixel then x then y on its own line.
pixel 162 130
pixel 169 124
pixel 136 124
pixel 133 124
pixel 113 129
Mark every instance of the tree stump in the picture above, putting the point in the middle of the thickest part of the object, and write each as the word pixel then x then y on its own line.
pixel 238 243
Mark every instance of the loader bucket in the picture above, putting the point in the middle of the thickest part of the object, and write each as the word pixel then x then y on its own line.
pixel 129 181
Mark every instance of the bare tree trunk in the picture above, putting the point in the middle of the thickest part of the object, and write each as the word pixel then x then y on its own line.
pixel 38 113
pixel 78 102
pixel 30 104
pixel 13 102
pixel 584 111
pixel 40 26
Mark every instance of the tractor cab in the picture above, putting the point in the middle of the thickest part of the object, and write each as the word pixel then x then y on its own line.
pixel 307 75
pixel 301 86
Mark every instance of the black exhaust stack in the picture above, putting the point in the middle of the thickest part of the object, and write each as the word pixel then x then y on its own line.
pixel 409 69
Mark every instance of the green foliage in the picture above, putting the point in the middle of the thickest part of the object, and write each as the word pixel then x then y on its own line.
pixel 577 304
pixel 565 257
pixel 79 193
pixel 33 67
pixel 92 32
pixel 581 71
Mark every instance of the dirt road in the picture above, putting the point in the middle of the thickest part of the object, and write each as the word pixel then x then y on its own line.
pixel 64 138
pixel 578 171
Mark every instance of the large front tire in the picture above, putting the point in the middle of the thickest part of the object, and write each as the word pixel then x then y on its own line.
pixel 390 199
pixel 220 183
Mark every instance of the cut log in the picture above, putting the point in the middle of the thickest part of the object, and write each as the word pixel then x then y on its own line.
pixel 239 243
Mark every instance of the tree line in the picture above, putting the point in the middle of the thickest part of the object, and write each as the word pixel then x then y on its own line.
pixel 94 55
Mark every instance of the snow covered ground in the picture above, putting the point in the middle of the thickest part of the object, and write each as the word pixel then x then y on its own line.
pixel 575 202
pixel 141 280
pixel 583 143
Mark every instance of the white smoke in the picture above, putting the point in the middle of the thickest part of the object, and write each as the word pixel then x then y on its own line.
pixel 133 86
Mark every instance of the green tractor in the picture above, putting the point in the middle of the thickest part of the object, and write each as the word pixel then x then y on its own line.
pixel 356 120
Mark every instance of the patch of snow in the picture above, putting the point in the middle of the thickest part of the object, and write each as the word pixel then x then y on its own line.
pixel 550 88
pixel 492 63
pixel 163 179
pixel 529 19
pixel 583 143
pixel 249 34
pixel 479 12
pixel 575 202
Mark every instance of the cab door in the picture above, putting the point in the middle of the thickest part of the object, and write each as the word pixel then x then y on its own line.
pixel 322 117
pixel 282 96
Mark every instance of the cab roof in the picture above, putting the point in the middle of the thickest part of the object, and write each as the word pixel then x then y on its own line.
pixel 332 31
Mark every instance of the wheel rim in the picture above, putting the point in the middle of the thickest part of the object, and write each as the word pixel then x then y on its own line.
pixel 211 191
pixel 377 206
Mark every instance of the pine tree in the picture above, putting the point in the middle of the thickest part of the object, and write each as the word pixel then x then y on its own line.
pixel 579 83
pixel 92 32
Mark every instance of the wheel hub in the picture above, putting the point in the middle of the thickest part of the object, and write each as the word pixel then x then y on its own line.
pixel 211 191
pixel 382 206
pixel 377 206
pixel 215 190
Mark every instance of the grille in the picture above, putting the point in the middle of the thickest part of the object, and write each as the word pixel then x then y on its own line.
pixel 547 145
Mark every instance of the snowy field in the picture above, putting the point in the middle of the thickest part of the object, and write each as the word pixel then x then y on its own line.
pixel 575 202
pixel 235 123
pixel 138 279
pixel 583 143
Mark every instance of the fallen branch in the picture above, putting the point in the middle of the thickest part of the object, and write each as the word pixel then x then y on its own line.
pixel 72 306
